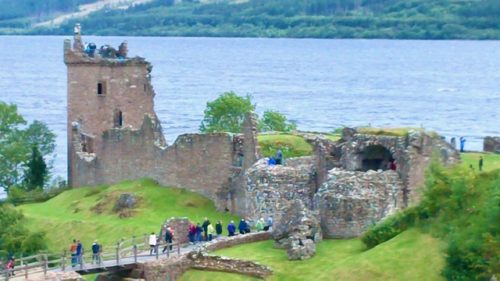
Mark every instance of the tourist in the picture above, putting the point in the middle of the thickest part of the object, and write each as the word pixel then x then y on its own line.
pixel 169 236
pixel 462 144
pixel 152 243
pixel 242 226
pixel 392 165
pixel 79 252
pixel 10 266
pixel 218 229
pixel 205 226
pixel 279 157
pixel 247 229
pixel 199 231
pixel 96 253
pixel 453 143
pixel 270 223
pixel 480 163
pixel 72 250
pixel 210 232
pixel 259 226
pixel 231 228
pixel 271 161
pixel 192 233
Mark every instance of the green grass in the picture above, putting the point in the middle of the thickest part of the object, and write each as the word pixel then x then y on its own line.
pixel 290 145
pixel 411 255
pixel 396 132
pixel 72 214
pixel 491 161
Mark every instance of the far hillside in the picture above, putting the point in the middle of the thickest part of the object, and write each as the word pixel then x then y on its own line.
pixel 401 19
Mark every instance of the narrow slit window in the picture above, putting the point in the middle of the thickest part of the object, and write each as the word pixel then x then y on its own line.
pixel 101 89
pixel 118 119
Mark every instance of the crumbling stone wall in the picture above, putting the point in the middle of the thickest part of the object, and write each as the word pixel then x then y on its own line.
pixel 203 261
pixel 491 144
pixel 350 201
pixel 115 135
pixel 269 188
pixel 180 226
pixel 173 268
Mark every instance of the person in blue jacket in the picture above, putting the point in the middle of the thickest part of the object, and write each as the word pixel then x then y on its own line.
pixel 231 228
pixel 242 226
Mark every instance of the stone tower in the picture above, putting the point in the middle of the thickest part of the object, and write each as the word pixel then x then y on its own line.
pixel 107 90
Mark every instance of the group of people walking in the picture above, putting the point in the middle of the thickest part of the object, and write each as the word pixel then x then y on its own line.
pixel 77 250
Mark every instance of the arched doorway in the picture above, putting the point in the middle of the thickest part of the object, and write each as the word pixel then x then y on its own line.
pixel 376 157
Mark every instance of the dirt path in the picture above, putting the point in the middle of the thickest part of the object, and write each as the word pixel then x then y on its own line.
pixel 84 10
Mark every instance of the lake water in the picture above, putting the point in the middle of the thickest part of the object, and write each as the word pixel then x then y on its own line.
pixel 449 86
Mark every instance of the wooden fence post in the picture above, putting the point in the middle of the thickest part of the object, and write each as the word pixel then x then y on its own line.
pixel 135 253
pixel 156 249
pixel 118 252
pixel 45 264
pixel 26 271
pixel 168 251
pixel 63 261
pixel 178 248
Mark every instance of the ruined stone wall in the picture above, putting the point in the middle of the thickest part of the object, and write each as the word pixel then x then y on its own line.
pixel 268 187
pixel 349 202
pixel 199 162
pixel 491 144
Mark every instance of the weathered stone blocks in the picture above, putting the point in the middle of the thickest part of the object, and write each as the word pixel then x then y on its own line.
pixel 491 144
pixel 349 202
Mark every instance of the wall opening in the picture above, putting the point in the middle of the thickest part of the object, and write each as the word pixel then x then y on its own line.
pixel 117 118
pixel 101 88
pixel 376 157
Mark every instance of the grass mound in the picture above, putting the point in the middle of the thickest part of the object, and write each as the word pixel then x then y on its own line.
pixel 290 145
pixel 463 208
pixel 411 255
pixel 491 160
pixel 87 213
pixel 396 132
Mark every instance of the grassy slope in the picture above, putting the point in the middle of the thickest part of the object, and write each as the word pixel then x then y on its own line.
pixel 409 256
pixel 71 215
pixel 291 145
pixel 491 161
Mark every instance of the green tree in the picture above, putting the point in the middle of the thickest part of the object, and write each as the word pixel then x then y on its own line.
pixel 16 146
pixel 276 121
pixel 14 237
pixel 226 113
pixel 12 151
pixel 36 172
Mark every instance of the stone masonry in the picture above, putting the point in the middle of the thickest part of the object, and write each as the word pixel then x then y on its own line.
pixel 349 201
pixel 491 144
pixel 115 135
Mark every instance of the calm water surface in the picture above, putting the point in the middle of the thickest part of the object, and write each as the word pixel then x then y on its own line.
pixel 449 86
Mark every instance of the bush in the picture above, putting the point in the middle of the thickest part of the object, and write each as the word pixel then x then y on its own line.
pixel 275 121
pixel 460 207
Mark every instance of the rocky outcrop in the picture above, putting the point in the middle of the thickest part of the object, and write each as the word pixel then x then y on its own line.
pixel 349 202
pixel 491 144
pixel 297 230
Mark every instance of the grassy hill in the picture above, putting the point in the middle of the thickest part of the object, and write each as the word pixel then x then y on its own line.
pixel 87 213
pixel 404 19
pixel 411 255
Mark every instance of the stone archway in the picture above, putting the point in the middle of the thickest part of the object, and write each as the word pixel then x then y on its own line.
pixel 376 157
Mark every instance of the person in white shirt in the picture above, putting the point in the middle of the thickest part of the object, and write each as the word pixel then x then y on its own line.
pixel 152 243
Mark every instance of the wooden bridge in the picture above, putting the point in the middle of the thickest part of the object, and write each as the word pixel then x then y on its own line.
pixel 126 254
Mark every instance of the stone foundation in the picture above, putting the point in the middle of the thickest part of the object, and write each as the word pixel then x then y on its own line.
pixel 491 144
pixel 216 263
pixel 349 202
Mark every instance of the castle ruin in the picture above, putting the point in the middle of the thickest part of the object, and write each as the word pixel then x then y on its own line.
pixel 115 135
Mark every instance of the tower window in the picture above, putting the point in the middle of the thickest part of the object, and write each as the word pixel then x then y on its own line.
pixel 117 119
pixel 101 88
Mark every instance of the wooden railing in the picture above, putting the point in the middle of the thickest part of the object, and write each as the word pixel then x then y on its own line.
pixel 123 253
